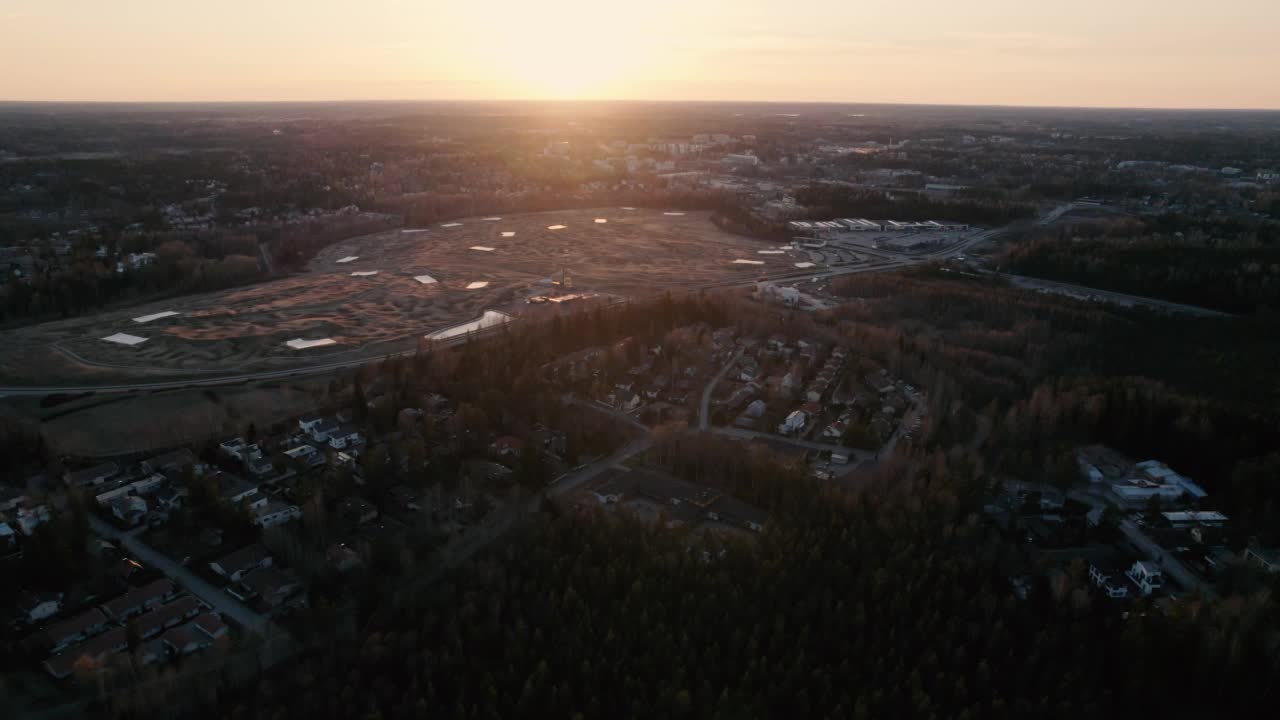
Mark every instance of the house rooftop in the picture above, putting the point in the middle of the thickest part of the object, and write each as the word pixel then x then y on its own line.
pixel 152 591
pixel 245 557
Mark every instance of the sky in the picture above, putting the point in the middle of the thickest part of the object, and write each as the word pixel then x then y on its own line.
pixel 1098 53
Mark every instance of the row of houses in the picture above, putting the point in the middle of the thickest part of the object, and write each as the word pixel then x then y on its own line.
pixel 157 614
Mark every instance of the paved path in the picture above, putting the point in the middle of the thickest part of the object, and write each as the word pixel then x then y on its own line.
pixel 704 410
pixel 194 584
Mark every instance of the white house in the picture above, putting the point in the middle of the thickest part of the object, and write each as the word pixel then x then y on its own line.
pixel 1108 580
pixel 1146 575
pixel 345 438
pixel 794 423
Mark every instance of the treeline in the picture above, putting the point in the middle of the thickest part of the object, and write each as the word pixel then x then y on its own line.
pixel 82 282
pixel 834 200
pixel 1239 274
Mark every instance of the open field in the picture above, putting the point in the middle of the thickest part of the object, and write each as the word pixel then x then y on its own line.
pixel 97 426
pixel 636 253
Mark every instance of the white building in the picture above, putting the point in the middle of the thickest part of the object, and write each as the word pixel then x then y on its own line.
pixel 1153 478
pixel 1146 575
pixel 860 225
pixel 794 423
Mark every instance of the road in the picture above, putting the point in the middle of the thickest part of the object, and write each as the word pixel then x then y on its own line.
pixel 858 455
pixel 704 410
pixel 1116 298
pixel 194 584
pixel 477 538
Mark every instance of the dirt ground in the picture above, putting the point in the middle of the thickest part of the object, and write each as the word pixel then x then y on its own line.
pixel 636 253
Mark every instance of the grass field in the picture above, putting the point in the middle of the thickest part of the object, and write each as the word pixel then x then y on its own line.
pixel 635 253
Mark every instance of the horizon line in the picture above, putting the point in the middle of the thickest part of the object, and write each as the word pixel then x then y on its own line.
pixel 370 101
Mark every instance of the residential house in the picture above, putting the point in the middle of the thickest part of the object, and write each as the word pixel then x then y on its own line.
pixel 211 625
pixel 174 462
pixel 308 423
pixel 1189 519
pixel 93 652
pixel 39 606
pixel 31 518
pixel 185 639
pixel 234 566
pixel 8 537
pixel 1108 577
pixel 140 600
pixel 307 454
pixel 95 475
pixel 794 423
pixel 129 509
pixel 344 438
pixel 235 489
pixel 322 431
pixel 1146 575
pixel 75 629
pixel 153 623
pixel 275 513
pixel 273 586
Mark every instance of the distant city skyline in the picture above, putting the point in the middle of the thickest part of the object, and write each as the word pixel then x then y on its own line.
pixel 1089 53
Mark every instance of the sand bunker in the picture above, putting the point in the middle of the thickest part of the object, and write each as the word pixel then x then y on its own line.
pixel 625 207
pixel 154 316
pixel 771 252
pixel 364 273
pixel 125 339
pixel 478 285
pixel 424 279
pixel 407 231
pixel 482 248
pixel 804 265
pixel 452 225
pixel 348 258
pixel 673 214
pixel 740 261
pixel 601 221
pixel 556 227
pixel 300 344
pixel 509 233
pixel 491 219
pixel 490 318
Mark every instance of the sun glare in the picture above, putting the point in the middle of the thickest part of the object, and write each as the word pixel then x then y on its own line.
pixel 571 55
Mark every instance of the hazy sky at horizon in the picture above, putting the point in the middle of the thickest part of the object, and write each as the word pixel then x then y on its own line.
pixel 1148 53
